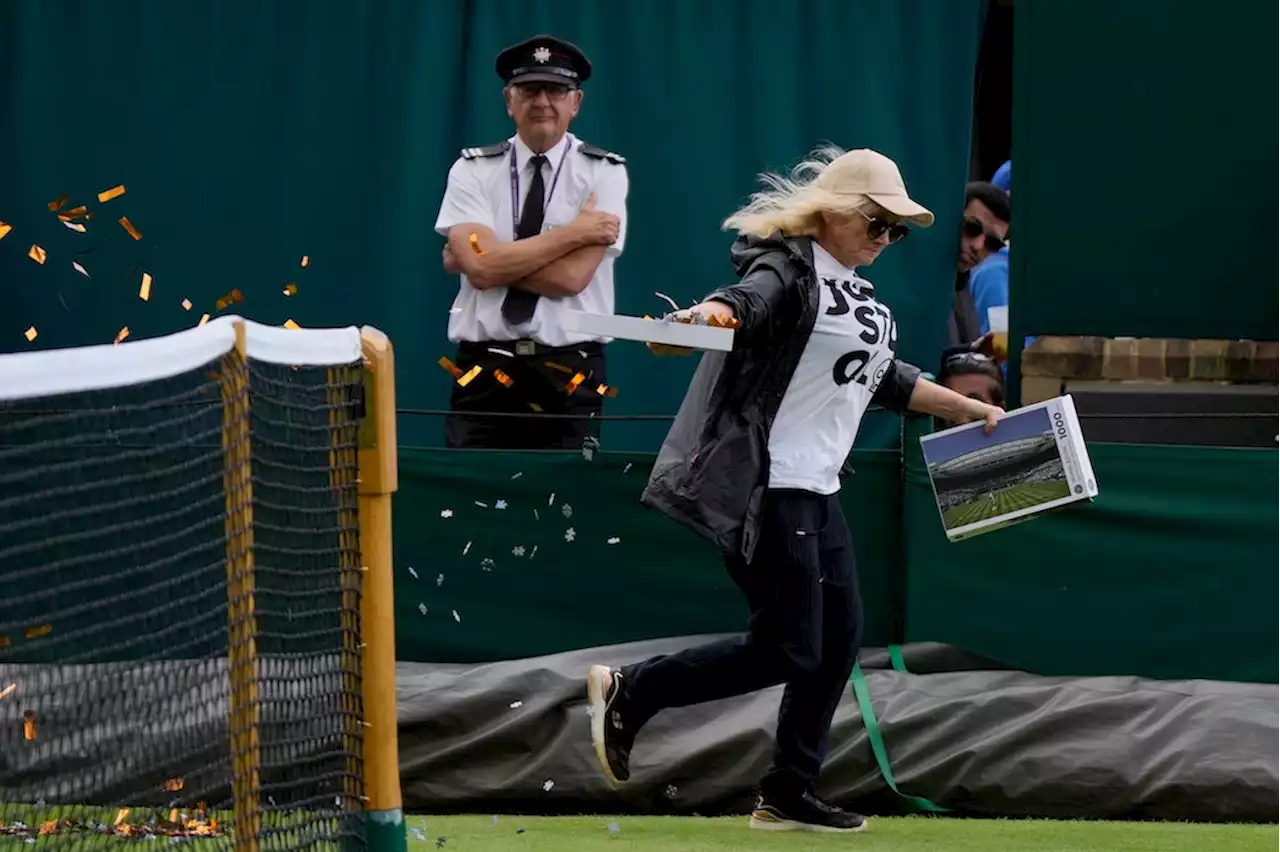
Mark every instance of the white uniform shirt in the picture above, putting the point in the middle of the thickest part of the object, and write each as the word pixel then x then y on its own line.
pixel 843 362
pixel 479 191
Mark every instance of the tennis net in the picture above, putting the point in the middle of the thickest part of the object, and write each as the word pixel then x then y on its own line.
pixel 180 572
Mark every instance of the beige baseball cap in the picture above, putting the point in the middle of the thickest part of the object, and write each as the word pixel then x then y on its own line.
pixel 870 173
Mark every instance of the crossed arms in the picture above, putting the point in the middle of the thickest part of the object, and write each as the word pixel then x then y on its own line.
pixel 560 262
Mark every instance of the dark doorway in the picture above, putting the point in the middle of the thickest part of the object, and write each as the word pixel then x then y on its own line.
pixel 993 93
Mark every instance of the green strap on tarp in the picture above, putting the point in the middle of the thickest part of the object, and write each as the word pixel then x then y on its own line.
pixel 895 659
pixel 863 695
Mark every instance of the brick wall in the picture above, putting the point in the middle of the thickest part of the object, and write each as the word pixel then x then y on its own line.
pixel 1050 361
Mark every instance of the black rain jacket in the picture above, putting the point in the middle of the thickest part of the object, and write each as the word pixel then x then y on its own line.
pixel 713 469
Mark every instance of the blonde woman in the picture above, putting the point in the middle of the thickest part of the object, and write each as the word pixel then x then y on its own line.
pixel 752 463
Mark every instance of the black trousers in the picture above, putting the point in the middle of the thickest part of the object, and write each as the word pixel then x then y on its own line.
pixel 539 380
pixel 804 631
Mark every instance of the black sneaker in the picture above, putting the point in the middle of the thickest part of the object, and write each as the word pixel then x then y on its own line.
pixel 805 812
pixel 611 734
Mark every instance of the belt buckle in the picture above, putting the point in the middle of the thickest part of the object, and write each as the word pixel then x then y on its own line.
pixel 526 347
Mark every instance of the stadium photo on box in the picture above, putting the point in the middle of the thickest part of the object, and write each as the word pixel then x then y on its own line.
pixel 982 482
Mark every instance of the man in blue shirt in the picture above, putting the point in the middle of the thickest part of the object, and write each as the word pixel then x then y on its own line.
pixel 984 229
pixel 989 280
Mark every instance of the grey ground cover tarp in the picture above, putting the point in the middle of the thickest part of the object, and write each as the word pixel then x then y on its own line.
pixel 964 732
pixel 981 740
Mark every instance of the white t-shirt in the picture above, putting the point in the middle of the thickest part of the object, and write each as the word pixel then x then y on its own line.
pixel 843 362
pixel 479 191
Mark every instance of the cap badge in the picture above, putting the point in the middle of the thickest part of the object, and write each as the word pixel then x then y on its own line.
pixel 542 55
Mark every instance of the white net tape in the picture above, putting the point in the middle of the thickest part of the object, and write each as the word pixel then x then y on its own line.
pixel 30 375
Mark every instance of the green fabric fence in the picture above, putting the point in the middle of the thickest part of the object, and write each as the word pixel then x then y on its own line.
pixel 546 552
pixel 1170 573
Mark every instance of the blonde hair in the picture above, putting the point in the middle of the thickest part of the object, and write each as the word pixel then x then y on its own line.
pixel 794 204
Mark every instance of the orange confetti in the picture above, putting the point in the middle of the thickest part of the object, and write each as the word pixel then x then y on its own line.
pixel 55 206
pixel 80 269
pixel 30 334
pixel 186 304
pixel 28 724
pixel 8 690
pixel 306 261
pixel 467 377
pixel 48 826
pixel 291 325
pixel 37 254
pixel 204 319
pixel 5 228
pixel 144 292
pixel 605 390
pixel 108 194
pixel 173 784
pixel 75 226
pixel 449 366
pixel 235 297
pixel 75 212
pixel 291 289
pixel 173 815
pixel 475 245
pixel 128 226
pixel 122 334
pixel 124 812
pixel 42 630
pixel 4 642
pixel 578 378
pixel 506 380
pixel 561 367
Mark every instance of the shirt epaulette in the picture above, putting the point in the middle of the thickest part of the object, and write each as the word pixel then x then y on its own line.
pixel 601 154
pixel 487 151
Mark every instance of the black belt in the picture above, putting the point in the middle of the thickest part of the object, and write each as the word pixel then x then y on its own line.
pixel 528 347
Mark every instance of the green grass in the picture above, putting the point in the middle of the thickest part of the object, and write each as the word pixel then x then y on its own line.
pixel 889 834
pixel 1008 499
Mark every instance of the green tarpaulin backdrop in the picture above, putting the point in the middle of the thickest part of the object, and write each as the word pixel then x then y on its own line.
pixel 1145 165
pixel 249 134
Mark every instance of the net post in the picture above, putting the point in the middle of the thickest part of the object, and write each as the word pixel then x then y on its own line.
pixel 378 480
pixel 242 630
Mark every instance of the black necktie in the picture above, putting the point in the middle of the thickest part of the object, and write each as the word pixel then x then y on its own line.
pixel 519 305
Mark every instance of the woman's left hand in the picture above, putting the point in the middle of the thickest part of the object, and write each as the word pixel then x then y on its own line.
pixel 989 415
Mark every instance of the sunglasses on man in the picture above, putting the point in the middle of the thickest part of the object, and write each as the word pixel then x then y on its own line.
pixel 974 228
pixel 555 91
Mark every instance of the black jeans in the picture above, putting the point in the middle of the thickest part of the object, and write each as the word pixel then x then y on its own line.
pixel 539 381
pixel 805 627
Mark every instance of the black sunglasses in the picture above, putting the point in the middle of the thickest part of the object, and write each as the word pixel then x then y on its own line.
pixel 876 226
pixel 555 91
pixel 974 228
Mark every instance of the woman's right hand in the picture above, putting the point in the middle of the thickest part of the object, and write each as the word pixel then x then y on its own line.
pixel 716 314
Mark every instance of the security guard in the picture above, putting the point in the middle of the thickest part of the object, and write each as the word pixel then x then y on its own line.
pixel 534 225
